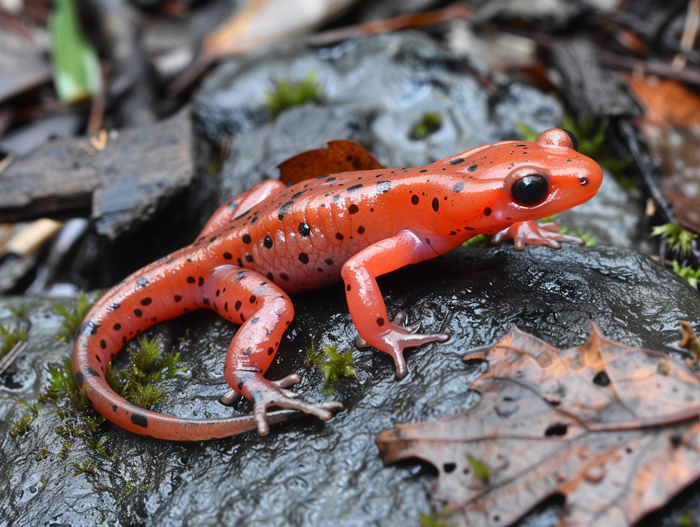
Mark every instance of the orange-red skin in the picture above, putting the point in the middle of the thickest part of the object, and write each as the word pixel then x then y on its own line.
pixel 275 240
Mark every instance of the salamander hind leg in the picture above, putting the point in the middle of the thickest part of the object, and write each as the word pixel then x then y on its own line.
pixel 264 311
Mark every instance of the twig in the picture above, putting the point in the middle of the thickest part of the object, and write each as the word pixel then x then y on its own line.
pixel 690 31
pixel 15 352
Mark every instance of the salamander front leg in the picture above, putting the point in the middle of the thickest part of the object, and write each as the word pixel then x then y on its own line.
pixel 534 233
pixel 365 301
pixel 264 311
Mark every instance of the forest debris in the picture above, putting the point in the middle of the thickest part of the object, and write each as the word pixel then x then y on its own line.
pixel 33 237
pixel 689 340
pixel 612 428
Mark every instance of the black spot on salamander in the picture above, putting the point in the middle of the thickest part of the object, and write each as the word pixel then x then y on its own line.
pixel 89 370
pixel 436 204
pixel 487 211
pixel 339 236
pixel 415 199
pixel 354 188
pixel 255 320
pixel 267 242
pixel 468 228
pixel 138 312
pixel 304 229
pixel 98 358
pixel 90 329
pixel 270 351
pixel 457 161
pixel 284 209
pixel 139 419
pixel 227 256
pixel 218 292
pixel 177 298
pixel 242 318
pixel 348 287
pixel 458 186
pixel 114 306
pixel 200 282
pixel 252 299
pixel 191 280
pixel 237 305
pixel 336 197
pixel 246 238
pixel 213 239
pixel 249 258
pixel 240 262
pixel 453 233
pixel 124 340
pixel 284 277
pixel 79 378
pixel 353 209
pixel 424 170
pixel 206 301
pixel 146 301
pixel 329 261
pixel 142 282
pixel 380 322
pixel 360 230
pixel 240 275
pixel 115 408
pixel 472 168
pixel 103 344
pixel 427 240
pixel 304 258
pixel 117 326
pixel 270 276
pixel 319 269
pixel 383 187
pixel 330 179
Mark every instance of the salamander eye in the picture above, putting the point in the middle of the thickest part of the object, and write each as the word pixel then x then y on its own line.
pixel 574 141
pixel 530 189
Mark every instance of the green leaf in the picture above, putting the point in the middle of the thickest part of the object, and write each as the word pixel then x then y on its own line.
pixel 679 239
pixel 687 273
pixel 481 470
pixel 76 67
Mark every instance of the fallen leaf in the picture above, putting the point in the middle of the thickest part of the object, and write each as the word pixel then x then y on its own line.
pixel 611 428
pixel 671 125
pixel 77 72
pixel 341 155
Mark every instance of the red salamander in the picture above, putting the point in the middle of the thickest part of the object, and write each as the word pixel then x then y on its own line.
pixel 274 240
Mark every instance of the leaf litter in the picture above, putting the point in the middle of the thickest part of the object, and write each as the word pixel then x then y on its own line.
pixel 613 429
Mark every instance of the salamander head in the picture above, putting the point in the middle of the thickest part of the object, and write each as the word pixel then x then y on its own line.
pixel 513 181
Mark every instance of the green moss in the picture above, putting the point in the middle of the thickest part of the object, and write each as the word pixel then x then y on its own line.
pixel 687 273
pixel 336 366
pixel 588 239
pixel 288 94
pixel 140 383
pixel 85 467
pixel 480 240
pixel 434 519
pixel 10 338
pixel 430 122
pixel 679 240
pixel 73 318
pixel 20 311
pixel 481 470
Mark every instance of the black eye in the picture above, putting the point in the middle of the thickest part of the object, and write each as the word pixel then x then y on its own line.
pixel 530 190
pixel 574 141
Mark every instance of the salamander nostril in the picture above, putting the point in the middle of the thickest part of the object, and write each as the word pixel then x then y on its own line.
pixel 584 181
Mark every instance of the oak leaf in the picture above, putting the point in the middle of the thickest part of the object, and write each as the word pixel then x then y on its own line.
pixel 613 429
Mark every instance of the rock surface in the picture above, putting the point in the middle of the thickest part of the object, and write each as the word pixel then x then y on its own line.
pixel 305 472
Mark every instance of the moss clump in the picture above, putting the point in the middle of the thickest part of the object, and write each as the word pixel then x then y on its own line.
pixel 288 94
pixel 430 122
pixel 679 240
pixel 140 382
pixel 10 338
pixel 334 365
pixel 73 318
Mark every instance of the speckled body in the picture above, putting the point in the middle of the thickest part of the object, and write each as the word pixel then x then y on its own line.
pixel 275 240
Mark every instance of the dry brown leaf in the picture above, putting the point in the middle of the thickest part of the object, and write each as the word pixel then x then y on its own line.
pixel 671 125
pixel 341 155
pixel 264 21
pixel 614 429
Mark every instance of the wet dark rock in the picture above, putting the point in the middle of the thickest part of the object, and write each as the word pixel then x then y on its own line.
pixel 134 175
pixel 23 65
pixel 374 90
pixel 305 472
